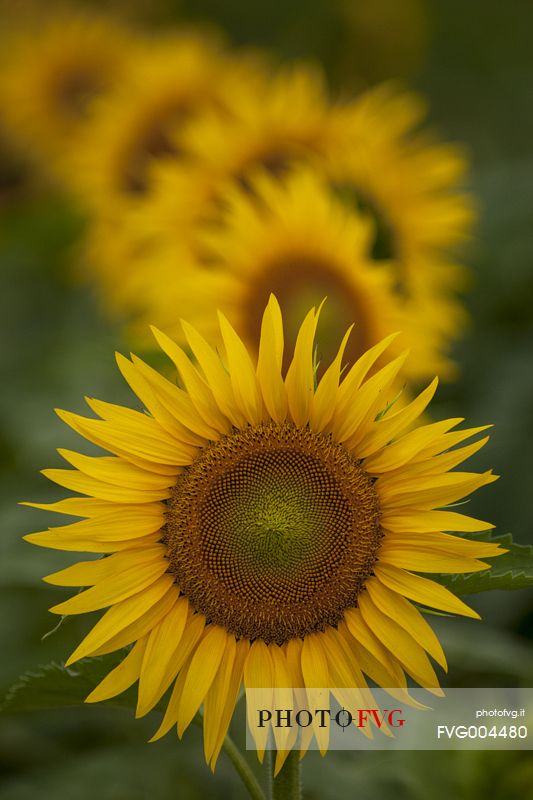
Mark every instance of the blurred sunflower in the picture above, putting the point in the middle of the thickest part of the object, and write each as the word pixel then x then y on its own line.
pixel 140 124
pixel 123 253
pixel 285 118
pixel 262 527
pixel 411 185
pixel 376 163
pixel 294 238
pixel 52 71
pixel 273 121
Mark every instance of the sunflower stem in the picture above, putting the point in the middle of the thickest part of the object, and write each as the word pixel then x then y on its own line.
pixel 238 761
pixel 243 768
pixel 286 785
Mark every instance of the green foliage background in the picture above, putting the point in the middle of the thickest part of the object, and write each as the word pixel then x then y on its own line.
pixel 475 63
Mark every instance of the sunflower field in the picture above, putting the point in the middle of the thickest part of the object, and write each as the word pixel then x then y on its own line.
pixel 267 275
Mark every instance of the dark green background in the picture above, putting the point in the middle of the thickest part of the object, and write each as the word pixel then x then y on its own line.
pixel 476 68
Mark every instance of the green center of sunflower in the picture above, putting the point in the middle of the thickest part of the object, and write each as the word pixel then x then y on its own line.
pixel 272 532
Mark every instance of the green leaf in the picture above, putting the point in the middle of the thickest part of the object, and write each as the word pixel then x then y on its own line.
pixel 512 570
pixel 56 686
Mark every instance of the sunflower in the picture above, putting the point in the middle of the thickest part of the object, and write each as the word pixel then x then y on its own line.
pixel 295 238
pixel 412 186
pixel 140 124
pixel 52 70
pixel 409 180
pixel 122 252
pixel 286 117
pixel 260 527
pixel 274 120
pixel 371 157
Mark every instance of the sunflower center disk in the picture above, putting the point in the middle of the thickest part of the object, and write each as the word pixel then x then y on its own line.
pixel 272 532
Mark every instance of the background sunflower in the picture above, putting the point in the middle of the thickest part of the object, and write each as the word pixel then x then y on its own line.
pixel 54 66
pixel 56 343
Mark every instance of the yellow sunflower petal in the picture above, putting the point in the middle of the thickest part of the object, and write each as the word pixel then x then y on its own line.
pixel 131 421
pixel 365 404
pixel 242 373
pixel 140 626
pixel 401 451
pixel 377 671
pixel 363 634
pixel 358 372
pixel 178 657
pixel 300 379
pixel 365 661
pixel 170 717
pixel 137 521
pixel 88 543
pixel 432 491
pixel 216 376
pixel 346 668
pixel 259 674
pixel 77 423
pixel 424 559
pixel 130 582
pixel 159 666
pixel 122 677
pixel 270 360
pixel 399 609
pixel 400 642
pixel 448 440
pixel 150 399
pixel 145 443
pixel 142 436
pixel 201 673
pixel 293 652
pixel 117 472
pixel 258 671
pixel 436 465
pixel 215 698
pixel 355 646
pixel 424 521
pixel 179 404
pixel 84 484
pixel 89 573
pixel 422 590
pixel 120 615
pixel 198 390
pixel 78 506
pixel 446 543
pixel 283 698
pixel 391 425
pixel 316 677
pixel 325 398
pixel 314 663
pixel 230 696
pixel 451 459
